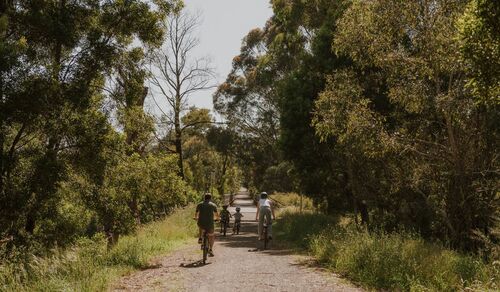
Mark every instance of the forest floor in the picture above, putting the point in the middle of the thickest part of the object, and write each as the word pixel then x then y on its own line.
pixel 239 264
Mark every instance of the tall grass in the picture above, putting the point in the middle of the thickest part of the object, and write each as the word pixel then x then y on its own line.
pixel 90 266
pixel 386 261
pixel 292 200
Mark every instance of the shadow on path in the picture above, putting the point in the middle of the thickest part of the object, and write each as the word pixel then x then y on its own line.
pixel 196 264
pixel 248 239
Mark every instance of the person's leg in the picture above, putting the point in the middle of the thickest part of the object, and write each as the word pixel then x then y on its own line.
pixel 261 221
pixel 211 240
pixel 269 221
pixel 200 233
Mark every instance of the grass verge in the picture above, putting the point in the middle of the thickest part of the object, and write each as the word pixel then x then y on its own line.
pixel 385 261
pixel 90 266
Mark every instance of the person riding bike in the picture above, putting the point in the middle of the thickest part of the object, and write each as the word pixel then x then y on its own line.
pixel 225 215
pixel 265 209
pixel 237 218
pixel 205 213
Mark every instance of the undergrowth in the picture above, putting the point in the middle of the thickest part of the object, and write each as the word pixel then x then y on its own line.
pixel 89 265
pixel 396 261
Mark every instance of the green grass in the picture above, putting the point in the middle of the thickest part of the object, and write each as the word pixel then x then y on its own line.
pixel 292 200
pixel 90 266
pixel 385 261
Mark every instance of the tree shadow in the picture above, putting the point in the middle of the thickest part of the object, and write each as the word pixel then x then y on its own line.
pixel 196 264
pixel 151 266
pixel 248 239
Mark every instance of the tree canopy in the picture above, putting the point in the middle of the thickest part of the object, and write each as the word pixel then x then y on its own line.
pixel 382 108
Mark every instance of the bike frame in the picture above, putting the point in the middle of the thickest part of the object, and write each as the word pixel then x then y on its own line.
pixel 205 246
pixel 266 236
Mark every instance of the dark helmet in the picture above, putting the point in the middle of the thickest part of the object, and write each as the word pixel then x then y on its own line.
pixel 224 207
pixel 207 196
pixel 238 209
pixel 263 195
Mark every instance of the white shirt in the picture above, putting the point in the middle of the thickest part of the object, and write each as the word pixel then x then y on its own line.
pixel 264 203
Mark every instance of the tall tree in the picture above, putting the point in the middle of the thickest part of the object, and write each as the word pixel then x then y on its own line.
pixel 222 140
pixel 270 91
pixel 176 73
pixel 58 56
pixel 403 110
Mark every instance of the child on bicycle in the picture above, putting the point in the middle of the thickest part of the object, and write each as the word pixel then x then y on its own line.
pixel 225 216
pixel 237 219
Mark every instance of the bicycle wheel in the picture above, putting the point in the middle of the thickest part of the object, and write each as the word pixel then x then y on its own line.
pixel 205 248
pixel 266 238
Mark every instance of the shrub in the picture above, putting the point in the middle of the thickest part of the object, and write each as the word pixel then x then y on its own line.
pixel 89 265
pixel 395 261
pixel 292 200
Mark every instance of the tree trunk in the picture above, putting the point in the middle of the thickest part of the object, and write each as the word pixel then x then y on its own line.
pixel 178 148
pixel 134 209
pixel 222 179
pixel 2 160
pixel 352 188
pixel 112 236
pixel 178 135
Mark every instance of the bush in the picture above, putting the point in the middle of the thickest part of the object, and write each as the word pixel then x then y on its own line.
pixel 396 261
pixel 298 230
pixel 89 265
pixel 292 200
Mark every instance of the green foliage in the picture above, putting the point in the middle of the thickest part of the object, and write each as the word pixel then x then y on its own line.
pixel 282 177
pixel 480 43
pixel 209 154
pixel 386 109
pixel 298 230
pixel 383 110
pixel 388 261
pixel 88 265
pixel 286 200
pixel 75 142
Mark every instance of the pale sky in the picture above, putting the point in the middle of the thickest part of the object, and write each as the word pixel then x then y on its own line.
pixel 223 25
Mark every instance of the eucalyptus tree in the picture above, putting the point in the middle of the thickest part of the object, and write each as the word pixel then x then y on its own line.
pixel 418 145
pixel 58 55
pixel 268 96
pixel 176 73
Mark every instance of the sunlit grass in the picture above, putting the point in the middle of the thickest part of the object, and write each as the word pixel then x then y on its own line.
pixel 385 261
pixel 90 266
pixel 292 200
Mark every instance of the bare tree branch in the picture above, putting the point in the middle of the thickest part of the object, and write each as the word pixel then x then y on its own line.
pixel 176 74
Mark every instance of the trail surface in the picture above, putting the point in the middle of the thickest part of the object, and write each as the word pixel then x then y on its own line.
pixel 239 265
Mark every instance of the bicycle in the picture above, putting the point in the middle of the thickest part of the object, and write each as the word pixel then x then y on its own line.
pixel 205 246
pixel 266 236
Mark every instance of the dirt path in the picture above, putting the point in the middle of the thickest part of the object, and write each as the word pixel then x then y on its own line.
pixel 238 265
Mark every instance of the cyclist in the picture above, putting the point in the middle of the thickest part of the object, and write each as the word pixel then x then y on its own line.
pixel 237 218
pixel 205 213
pixel 225 216
pixel 265 209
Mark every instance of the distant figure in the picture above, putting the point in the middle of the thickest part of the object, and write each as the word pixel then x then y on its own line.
pixel 205 213
pixel 265 209
pixel 225 216
pixel 237 219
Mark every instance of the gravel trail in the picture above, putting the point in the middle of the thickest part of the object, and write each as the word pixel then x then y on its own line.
pixel 239 265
